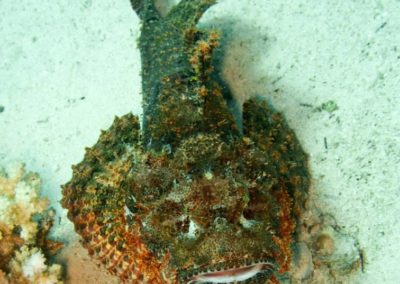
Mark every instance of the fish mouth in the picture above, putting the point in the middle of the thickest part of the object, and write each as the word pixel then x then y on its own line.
pixel 223 273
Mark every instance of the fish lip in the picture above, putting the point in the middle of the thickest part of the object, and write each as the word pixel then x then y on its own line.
pixel 250 270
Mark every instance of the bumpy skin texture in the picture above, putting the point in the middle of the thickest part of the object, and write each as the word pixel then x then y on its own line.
pixel 189 192
pixel 176 71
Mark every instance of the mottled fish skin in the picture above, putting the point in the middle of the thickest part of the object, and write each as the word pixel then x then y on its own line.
pixel 168 47
pixel 188 197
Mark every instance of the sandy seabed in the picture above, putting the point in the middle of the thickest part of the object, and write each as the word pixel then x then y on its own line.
pixel 81 268
pixel 330 66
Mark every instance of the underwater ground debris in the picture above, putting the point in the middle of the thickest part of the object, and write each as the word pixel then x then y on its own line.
pixel 25 221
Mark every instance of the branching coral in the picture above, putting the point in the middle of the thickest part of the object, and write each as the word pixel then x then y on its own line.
pixel 24 223
pixel 30 266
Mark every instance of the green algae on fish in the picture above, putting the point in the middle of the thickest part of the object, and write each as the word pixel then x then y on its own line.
pixel 190 192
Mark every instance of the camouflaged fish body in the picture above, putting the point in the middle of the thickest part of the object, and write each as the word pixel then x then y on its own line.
pixel 189 198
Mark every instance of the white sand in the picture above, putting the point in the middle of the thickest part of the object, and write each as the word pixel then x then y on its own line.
pixel 67 68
